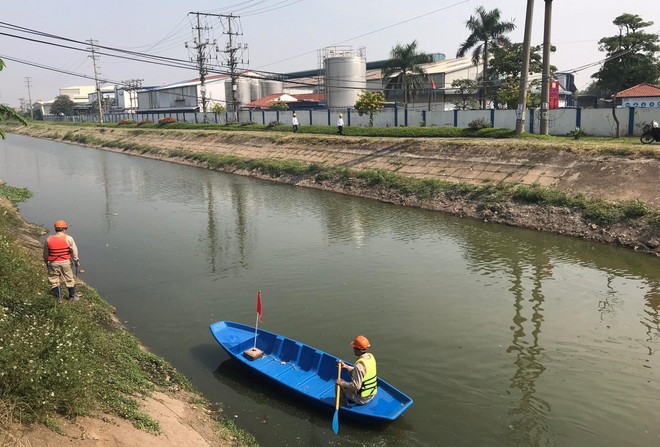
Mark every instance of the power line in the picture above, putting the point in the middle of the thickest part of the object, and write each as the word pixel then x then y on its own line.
pixel 372 32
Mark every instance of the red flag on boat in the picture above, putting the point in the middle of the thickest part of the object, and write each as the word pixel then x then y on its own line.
pixel 259 306
pixel 432 83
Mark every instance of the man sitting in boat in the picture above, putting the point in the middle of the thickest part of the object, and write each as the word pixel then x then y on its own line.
pixel 363 385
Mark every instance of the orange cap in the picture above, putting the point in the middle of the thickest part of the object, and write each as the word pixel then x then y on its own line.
pixel 61 224
pixel 361 342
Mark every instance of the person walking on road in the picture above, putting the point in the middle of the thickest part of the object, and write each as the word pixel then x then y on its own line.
pixel 340 124
pixel 294 123
pixel 59 252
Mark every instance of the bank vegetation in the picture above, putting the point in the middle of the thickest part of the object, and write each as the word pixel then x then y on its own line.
pixel 62 361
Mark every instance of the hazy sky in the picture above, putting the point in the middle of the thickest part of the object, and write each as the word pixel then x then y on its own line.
pixel 281 35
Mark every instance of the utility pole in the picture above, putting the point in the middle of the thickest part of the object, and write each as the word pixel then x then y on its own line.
pixel 232 61
pixel 232 68
pixel 202 56
pixel 131 86
pixel 28 83
pixel 545 77
pixel 524 71
pixel 99 98
pixel 199 45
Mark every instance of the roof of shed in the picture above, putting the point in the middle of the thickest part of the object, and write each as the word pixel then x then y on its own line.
pixel 639 91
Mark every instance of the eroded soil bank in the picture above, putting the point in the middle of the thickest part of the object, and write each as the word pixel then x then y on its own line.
pixel 610 170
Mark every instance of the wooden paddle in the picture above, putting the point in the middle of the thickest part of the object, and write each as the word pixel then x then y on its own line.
pixel 335 419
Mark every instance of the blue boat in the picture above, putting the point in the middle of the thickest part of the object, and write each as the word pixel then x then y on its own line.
pixel 305 371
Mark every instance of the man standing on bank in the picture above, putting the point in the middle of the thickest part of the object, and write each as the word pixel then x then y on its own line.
pixel 364 380
pixel 294 123
pixel 59 251
pixel 340 124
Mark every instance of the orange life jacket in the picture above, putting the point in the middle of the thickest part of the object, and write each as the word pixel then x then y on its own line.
pixel 58 248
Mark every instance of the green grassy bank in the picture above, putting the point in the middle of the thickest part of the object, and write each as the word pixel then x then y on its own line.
pixel 68 359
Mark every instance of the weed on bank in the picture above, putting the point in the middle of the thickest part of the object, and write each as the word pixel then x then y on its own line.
pixel 69 359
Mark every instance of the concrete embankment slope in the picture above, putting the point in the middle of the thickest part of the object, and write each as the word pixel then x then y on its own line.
pixel 610 170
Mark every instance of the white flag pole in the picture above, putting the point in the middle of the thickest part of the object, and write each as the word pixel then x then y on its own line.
pixel 256 328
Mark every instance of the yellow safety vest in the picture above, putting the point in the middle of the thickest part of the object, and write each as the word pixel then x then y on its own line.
pixel 370 383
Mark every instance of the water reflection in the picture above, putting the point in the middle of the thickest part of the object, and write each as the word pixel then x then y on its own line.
pixel 652 319
pixel 608 304
pixel 107 183
pixel 211 227
pixel 529 426
pixel 239 197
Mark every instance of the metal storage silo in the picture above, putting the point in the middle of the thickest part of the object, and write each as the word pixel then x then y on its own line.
pixel 345 75
pixel 255 89
pixel 270 87
pixel 243 95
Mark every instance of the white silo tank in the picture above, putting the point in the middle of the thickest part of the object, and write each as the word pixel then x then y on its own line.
pixel 255 89
pixel 345 76
pixel 243 95
pixel 270 87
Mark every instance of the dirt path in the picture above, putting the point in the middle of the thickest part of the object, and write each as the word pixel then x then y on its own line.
pixel 182 424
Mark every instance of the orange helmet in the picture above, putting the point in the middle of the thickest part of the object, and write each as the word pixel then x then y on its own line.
pixel 361 342
pixel 61 224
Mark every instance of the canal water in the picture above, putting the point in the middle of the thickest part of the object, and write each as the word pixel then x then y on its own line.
pixel 502 336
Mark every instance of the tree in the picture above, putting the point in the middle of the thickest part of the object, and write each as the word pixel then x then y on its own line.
pixel 7 112
pixel 465 88
pixel 218 108
pixel 279 105
pixel 505 68
pixel 371 103
pixel 594 89
pixel 508 93
pixel 63 105
pixel 507 60
pixel 631 56
pixel 486 32
pixel 403 72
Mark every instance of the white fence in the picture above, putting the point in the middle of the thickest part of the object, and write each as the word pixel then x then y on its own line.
pixel 595 122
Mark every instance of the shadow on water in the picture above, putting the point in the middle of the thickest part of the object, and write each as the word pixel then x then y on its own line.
pixel 271 398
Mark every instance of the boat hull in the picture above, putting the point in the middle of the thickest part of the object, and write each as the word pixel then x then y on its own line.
pixel 305 371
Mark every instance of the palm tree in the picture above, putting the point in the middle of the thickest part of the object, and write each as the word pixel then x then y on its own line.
pixel 403 71
pixel 486 31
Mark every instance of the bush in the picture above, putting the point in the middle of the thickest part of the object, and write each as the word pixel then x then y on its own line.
pixel 145 122
pixel 166 120
pixel 479 123
pixel 577 133
pixel 273 124
pixel 125 121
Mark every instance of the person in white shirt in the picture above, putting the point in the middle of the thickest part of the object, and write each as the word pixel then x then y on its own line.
pixel 294 123
pixel 340 124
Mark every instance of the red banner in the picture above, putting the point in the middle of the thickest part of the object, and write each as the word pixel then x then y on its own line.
pixel 554 94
